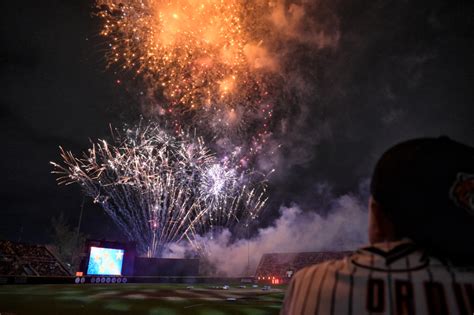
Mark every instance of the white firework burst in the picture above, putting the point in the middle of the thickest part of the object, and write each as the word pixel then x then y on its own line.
pixel 161 188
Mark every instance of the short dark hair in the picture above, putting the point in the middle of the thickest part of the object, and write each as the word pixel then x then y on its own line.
pixel 426 188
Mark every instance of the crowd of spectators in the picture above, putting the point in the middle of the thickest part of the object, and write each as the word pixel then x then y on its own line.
pixel 19 259
pixel 279 264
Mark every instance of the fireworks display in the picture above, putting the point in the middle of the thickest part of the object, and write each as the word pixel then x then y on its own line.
pixel 161 188
pixel 201 59
pixel 200 64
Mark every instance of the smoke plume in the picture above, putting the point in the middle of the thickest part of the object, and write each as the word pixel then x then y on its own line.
pixel 344 227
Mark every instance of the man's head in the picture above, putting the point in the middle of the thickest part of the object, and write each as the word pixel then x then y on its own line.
pixel 424 189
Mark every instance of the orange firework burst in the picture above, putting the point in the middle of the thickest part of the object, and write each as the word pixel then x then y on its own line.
pixel 198 54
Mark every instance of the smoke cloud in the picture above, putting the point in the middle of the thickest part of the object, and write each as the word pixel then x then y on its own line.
pixel 344 227
pixel 294 22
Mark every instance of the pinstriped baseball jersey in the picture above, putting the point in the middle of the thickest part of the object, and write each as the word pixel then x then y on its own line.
pixel 386 278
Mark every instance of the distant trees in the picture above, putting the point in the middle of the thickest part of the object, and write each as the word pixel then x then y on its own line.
pixel 67 242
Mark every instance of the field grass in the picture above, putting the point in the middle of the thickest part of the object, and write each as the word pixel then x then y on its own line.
pixel 152 299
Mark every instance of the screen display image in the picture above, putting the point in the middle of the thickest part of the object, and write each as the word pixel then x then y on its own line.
pixel 105 261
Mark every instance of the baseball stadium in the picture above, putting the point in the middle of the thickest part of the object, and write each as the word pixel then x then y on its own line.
pixel 214 157
pixel 112 280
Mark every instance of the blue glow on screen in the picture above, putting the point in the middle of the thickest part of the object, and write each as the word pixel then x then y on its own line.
pixel 105 261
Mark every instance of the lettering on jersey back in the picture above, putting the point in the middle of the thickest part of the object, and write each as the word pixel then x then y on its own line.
pixel 404 298
pixel 460 300
pixel 464 294
pixel 435 298
pixel 375 295
pixel 470 296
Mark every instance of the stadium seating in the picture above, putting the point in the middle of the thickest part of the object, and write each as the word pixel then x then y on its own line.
pixel 277 265
pixel 19 259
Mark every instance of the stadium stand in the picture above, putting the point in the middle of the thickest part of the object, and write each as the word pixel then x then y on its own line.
pixel 282 266
pixel 20 259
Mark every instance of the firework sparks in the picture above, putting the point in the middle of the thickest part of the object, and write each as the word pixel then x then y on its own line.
pixel 205 58
pixel 161 188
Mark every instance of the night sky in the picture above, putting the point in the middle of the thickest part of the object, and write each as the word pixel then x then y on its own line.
pixel 401 69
